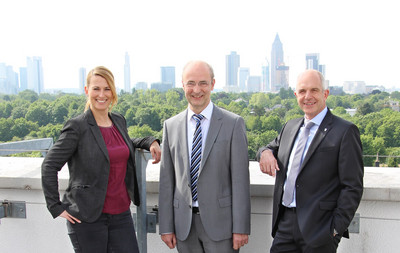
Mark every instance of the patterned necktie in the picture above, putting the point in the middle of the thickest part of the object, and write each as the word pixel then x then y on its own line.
pixel 296 164
pixel 196 155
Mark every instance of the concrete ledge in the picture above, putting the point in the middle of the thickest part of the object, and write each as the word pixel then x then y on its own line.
pixel 380 184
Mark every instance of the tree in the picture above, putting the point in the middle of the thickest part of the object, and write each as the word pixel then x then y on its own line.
pixel 5 126
pixel 364 108
pixel 5 110
pixel 28 95
pixel 148 116
pixel 38 112
pixel 21 127
pixel 272 122
pixel 142 131
pixel 59 113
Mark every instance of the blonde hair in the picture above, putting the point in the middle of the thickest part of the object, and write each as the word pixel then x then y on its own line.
pixel 106 74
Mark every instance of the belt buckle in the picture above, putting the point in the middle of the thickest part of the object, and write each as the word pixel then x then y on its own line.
pixel 195 210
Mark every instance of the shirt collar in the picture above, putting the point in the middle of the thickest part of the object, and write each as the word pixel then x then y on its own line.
pixel 207 112
pixel 317 120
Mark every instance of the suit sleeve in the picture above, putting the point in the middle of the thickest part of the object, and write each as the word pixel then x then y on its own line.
pixel 55 159
pixel 351 173
pixel 166 187
pixel 241 210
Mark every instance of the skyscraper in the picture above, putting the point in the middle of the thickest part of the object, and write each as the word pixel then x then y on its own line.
pixel 23 79
pixel 254 83
pixel 8 79
pixel 244 73
pixel 232 67
pixel 127 74
pixel 82 80
pixel 35 74
pixel 312 62
pixel 168 76
pixel 265 78
pixel 277 66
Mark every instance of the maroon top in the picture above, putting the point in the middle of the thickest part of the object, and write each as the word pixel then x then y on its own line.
pixel 117 198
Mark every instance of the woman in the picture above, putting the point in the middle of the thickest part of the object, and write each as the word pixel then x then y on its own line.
pixel 101 162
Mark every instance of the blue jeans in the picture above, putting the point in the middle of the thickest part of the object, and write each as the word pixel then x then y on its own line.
pixel 108 234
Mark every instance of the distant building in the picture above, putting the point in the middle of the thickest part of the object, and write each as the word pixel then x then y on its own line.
pixel 162 87
pixel 8 79
pixel 23 79
pixel 265 79
pixel 312 62
pixel 336 90
pixel 82 80
pixel 35 74
pixel 243 74
pixel 394 105
pixel 279 72
pixel 127 74
pixel 232 62
pixel 141 86
pixel 168 76
pixel 254 83
pixel 351 112
pixel 282 78
pixel 354 87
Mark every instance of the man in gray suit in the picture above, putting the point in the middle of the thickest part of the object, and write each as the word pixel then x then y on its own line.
pixel 204 201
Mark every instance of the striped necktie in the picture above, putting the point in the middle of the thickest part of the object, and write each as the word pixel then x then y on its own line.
pixel 196 155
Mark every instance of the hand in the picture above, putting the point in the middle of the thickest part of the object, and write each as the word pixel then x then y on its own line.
pixel 239 240
pixel 155 151
pixel 169 239
pixel 268 163
pixel 69 217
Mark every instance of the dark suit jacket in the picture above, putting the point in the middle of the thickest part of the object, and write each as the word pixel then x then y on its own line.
pixel 81 144
pixel 223 185
pixel 330 184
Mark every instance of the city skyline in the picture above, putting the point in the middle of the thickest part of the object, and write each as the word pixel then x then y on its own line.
pixel 355 40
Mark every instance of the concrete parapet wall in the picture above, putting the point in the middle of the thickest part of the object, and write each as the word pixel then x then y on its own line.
pixel 379 212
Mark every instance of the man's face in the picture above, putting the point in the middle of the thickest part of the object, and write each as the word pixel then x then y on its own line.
pixel 197 84
pixel 310 95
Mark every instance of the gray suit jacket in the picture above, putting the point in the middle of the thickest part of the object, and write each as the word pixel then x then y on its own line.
pixel 223 183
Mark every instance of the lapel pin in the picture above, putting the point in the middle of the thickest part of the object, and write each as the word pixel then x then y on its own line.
pixel 325 130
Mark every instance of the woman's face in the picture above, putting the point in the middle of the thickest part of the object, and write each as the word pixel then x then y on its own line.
pixel 99 94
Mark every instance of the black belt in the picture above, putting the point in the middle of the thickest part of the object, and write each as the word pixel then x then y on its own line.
pixel 195 210
pixel 290 209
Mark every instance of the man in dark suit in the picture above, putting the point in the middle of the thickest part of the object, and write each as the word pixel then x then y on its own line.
pixel 317 161
pixel 204 201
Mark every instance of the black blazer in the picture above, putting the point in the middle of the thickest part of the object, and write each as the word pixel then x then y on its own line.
pixel 81 144
pixel 330 184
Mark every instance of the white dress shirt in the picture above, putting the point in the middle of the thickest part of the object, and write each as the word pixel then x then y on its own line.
pixel 317 122
pixel 191 127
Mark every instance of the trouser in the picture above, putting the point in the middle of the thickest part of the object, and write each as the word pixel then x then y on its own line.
pixel 199 242
pixel 110 233
pixel 288 238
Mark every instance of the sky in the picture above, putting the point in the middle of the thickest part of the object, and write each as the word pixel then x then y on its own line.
pixel 357 40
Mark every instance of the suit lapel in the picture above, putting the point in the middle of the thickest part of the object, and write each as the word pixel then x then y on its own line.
pixel 118 124
pixel 323 129
pixel 96 133
pixel 213 130
pixel 292 134
pixel 181 123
